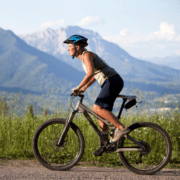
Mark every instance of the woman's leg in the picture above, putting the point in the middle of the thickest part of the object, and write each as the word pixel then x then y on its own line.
pixel 104 105
pixel 106 114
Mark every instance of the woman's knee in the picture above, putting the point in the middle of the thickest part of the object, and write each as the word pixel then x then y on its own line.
pixel 96 108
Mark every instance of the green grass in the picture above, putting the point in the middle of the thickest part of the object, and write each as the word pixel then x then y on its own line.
pixel 16 136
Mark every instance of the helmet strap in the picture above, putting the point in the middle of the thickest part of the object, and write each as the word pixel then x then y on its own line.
pixel 75 51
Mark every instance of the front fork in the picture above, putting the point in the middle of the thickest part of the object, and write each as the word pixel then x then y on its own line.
pixel 67 126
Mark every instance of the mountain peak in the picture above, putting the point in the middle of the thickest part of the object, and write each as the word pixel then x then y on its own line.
pixel 26 67
pixel 51 41
pixel 78 30
pixel 49 30
pixel 128 66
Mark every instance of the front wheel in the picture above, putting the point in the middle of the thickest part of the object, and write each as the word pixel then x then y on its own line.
pixel 49 154
pixel 156 152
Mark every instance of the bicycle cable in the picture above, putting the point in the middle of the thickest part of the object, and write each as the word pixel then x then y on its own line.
pixel 71 106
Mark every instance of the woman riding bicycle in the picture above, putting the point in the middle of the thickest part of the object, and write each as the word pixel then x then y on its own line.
pixel 110 81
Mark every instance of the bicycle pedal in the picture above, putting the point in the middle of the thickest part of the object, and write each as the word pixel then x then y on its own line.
pixel 99 151
pixel 111 149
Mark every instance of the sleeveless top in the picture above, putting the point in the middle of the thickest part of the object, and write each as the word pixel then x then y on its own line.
pixel 101 70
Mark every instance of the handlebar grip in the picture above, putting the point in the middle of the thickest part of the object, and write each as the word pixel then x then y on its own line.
pixel 79 93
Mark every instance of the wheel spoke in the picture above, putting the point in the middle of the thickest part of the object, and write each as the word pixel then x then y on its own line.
pixel 49 154
pixel 156 149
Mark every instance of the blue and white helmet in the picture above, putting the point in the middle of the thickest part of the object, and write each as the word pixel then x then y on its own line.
pixel 76 40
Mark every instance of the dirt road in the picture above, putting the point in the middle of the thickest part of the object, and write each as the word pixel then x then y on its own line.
pixel 22 170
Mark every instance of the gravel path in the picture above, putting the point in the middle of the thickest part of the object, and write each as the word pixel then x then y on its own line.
pixel 23 170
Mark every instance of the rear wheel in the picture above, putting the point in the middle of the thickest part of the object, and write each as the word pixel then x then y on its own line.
pixel 49 154
pixel 156 153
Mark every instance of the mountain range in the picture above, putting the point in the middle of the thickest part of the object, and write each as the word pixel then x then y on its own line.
pixel 35 63
pixel 26 68
pixel 171 61
pixel 144 75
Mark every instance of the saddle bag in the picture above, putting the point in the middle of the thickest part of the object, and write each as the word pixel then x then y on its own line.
pixel 130 104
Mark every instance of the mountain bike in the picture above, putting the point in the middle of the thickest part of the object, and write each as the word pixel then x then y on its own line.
pixel 58 143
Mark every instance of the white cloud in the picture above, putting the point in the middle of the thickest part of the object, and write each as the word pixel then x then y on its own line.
pixel 166 32
pixel 161 41
pixel 124 32
pixel 49 24
pixel 89 20
pixel 125 38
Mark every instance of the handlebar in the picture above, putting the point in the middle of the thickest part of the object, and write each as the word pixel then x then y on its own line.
pixel 80 93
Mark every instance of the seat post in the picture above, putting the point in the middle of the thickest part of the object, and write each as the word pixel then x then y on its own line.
pixel 122 106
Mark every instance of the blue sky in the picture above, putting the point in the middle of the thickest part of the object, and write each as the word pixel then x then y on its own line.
pixel 144 28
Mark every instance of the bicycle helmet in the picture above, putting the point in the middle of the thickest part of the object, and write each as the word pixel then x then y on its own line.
pixel 76 40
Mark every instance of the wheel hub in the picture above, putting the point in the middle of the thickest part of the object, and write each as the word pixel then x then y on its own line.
pixel 146 149
pixel 55 147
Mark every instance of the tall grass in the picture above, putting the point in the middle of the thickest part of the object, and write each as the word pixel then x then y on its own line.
pixel 16 134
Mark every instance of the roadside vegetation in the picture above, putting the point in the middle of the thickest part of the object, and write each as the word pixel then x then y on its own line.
pixel 16 133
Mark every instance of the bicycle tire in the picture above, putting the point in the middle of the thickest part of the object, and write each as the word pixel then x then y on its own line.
pixel 157 153
pixel 51 156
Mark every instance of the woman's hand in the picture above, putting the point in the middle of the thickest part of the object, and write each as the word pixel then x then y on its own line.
pixel 75 90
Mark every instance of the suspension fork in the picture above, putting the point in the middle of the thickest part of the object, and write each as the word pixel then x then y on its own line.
pixel 66 129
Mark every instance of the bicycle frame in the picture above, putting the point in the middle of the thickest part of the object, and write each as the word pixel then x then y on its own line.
pixel 85 110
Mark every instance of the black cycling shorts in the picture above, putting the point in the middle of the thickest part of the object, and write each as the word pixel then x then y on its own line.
pixel 110 89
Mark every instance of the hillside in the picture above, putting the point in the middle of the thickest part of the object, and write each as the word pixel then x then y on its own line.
pixel 26 68
pixel 138 73
pixel 171 61
pixel 31 70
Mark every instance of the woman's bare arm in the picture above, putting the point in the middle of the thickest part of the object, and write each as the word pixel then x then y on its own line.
pixel 90 82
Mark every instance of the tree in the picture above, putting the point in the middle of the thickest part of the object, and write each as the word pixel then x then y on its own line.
pixel 4 108
pixel 30 111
